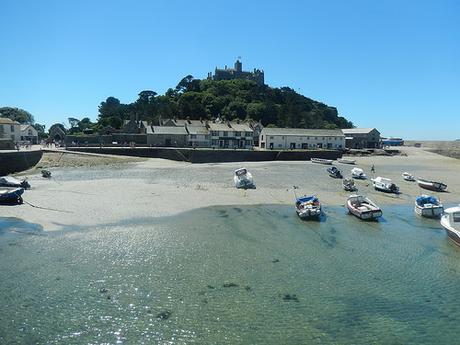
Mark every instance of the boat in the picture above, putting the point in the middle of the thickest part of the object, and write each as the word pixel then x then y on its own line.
pixel 363 208
pixel 46 174
pixel 358 173
pixel 428 206
pixel 334 172
pixel 384 185
pixel 432 185
pixel 451 223
pixel 308 207
pixel 408 177
pixel 349 185
pixel 321 161
pixel 11 195
pixel 10 181
pixel 243 179
pixel 346 161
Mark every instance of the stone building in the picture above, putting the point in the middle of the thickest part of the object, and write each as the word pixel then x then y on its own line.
pixel 167 136
pixel 300 138
pixel 362 138
pixel 237 73
pixel 10 129
pixel 29 133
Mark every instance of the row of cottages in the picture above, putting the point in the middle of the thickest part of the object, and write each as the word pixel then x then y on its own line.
pixel 219 135
pixel 14 131
pixel 301 138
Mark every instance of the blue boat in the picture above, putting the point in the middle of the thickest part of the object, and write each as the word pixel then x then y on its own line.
pixel 308 207
pixel 11 195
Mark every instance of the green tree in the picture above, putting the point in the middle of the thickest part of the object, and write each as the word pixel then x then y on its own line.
pixel 16 114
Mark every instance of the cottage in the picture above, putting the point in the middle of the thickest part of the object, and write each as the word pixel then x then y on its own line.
pixel 231 135
pixel 301 138
pixel 362 138
pixel 10 129
pixel 198 136
pixel 166 136
pixel 29 133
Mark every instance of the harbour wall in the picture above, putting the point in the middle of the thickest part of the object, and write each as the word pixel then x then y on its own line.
pixel 210 155
pixel 17 161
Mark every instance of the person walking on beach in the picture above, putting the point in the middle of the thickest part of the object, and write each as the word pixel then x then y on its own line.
pixel 373 168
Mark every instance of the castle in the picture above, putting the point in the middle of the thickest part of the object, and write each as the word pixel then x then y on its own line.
pixel 237 73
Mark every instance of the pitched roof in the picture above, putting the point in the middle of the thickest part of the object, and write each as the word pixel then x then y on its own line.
pixel 213 126
pixel 7 121
pixel 197 130
pixel 241 127
pixel 358 130
pixel 311 132
pixel 169 130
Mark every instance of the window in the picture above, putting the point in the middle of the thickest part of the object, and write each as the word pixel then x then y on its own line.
pixel 12 128
pixel 30 132
pixel 262 137
pixel 207 137
pixel 272 137
pixel 215 142
pixel 225 134
pixel 248 134
pixel 215 133
pixel 192 136
pixel 237 134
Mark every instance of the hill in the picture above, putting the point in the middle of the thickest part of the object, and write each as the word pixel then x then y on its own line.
pixel 227 99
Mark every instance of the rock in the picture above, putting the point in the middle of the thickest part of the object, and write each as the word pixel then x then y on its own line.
pixel 248 288
pixel 103 290
pixel 275 260
pixel 226 285
pixel 164 315
pixel 289 297
pixel 210 287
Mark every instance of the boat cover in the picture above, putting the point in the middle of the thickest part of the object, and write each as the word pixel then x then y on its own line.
pixel 426 199
pixel 311 198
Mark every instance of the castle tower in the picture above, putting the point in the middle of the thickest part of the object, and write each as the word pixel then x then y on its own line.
pixel 238 65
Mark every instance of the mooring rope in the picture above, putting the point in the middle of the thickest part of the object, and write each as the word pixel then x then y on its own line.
pixel 45 208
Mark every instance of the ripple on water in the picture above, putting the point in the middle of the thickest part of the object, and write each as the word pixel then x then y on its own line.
pixel 231 275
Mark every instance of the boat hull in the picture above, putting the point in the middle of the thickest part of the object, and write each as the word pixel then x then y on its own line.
pixel 367 215
pixel 310 214
pixel 429 212
pixel 434 186
pixel 453 235
pixel 321 161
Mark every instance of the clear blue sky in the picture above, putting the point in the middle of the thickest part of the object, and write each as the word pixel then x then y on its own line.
pixel 394 65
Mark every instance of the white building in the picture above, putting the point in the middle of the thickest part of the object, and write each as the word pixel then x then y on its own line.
pixel 10 129
pixel 300 138
pixel 229 135
pixel 29 133
pixel 198 136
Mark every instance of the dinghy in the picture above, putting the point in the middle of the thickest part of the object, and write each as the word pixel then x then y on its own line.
pixel 451 223
pixel 346 161
pixel 432 185
pixel 322 161
pixel 11 195
pixel 358 173
pixel 10 181
pixel 385 185
pixel 349 185
pixel 408 177
pixel 428 206
pixel 243 179
pixel 363 208
pixel 334 172
pixel 308 207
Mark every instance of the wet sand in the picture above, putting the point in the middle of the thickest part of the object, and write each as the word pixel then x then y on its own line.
pixel 97 193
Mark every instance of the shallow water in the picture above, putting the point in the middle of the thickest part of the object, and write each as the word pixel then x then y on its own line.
pixel 232 275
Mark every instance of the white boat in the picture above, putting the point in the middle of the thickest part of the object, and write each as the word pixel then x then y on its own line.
pixel 346 161
pixel 428 206
pixel 363 208
pixel 432 185
pixel 10 181
pixel 308 207
pixel 408 177
pixel 384 185
pixel 321 161
pixel 451 223
pixel 358 173
pixel 243 179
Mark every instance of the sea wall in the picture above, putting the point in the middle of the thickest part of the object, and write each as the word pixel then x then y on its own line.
pixel 17 161
pixel 212 156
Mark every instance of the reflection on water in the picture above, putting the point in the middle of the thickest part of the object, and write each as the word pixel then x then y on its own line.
pixel 232 275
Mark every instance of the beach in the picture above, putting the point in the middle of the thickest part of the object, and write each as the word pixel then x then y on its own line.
pixel 92 190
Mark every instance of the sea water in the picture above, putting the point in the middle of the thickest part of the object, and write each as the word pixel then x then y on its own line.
pixel 232 275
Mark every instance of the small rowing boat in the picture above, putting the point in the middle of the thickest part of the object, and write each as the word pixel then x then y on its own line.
pixel 10 181
pixel 243 179
pixel 321 161
pixel 346 161
pixel 349 184
pixel 358 173
pixel 11 195
pixel 432 185
pixel 334 172
pixel 363 207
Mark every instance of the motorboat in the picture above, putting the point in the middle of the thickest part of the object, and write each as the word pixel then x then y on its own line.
pixel 428 206
pixel 385 185
pixel 363 208
pixel 451 223
pixel 408 177
pixel 11 195
pixel 346 161
pixel 349 184
pixel 432 185
pixel 322 161
pixel 358 173
pixel 308 207
pixel 10 181
pixel 334 172
pixel 243 179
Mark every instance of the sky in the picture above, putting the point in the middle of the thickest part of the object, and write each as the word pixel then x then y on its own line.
pixel 393 65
